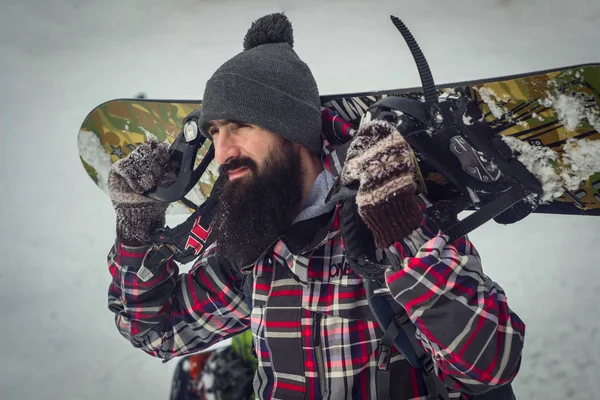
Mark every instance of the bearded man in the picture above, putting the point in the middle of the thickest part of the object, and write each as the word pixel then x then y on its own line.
pixel 276 227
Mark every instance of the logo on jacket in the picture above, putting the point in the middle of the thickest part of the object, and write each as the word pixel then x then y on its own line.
pixel 198 236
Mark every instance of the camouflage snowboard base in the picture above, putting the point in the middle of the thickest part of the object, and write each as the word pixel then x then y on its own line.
pixel 546 108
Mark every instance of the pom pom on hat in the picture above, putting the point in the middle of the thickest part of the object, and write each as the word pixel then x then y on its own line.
pixel 272 28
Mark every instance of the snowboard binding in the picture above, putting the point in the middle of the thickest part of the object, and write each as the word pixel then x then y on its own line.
pixel 184 151
pixel 450 136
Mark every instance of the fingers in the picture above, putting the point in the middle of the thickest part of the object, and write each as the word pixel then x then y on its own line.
pixel 145 166
pixel 369 134
pixel 377 152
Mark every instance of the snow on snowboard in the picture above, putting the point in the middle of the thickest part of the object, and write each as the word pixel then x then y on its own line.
pixel 551 119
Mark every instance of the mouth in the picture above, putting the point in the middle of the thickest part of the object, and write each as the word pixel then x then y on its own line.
pixel 238 172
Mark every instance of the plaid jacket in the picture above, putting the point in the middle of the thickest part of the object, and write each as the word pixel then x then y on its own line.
pixel 314 334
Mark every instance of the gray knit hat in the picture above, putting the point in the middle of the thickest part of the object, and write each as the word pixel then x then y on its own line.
pixel 267 85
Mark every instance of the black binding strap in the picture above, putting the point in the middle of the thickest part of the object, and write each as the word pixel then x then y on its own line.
pixel 485 213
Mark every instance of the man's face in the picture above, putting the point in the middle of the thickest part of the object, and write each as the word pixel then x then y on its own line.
pixel 262 194
pixel 241 148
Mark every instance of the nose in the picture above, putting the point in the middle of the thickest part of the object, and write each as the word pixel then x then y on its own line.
pixel 225 146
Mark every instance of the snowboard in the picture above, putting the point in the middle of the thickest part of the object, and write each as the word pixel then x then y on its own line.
pixel 545 110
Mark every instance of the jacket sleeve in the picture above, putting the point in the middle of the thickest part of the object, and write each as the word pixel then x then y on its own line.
pixel 462 316
pixel 174 314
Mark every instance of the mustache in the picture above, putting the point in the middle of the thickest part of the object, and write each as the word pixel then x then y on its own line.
pixel 237 163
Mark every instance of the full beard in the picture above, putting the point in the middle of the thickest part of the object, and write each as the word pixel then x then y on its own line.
pixel 257 208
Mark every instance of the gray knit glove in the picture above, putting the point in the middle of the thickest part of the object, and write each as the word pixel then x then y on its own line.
pixel 138 215
pixel 381 161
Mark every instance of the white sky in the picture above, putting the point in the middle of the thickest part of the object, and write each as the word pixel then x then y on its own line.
pixel 61 58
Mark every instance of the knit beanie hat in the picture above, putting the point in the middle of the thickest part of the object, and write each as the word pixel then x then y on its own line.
pixel 267 85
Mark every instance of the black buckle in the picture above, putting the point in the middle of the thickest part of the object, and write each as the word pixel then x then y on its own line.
pixel 156 256
pixel 402 318
pixel 427 364
pixel 385 353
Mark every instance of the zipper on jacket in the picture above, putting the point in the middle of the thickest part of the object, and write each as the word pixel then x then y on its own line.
pixel 319 354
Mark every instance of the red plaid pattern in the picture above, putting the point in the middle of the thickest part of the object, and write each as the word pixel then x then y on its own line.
pixel 313 331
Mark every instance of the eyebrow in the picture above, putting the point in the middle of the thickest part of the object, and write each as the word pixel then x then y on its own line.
pixel 226 121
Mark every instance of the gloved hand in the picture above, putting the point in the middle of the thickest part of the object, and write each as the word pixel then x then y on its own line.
pixel 381 161
pixel 137 215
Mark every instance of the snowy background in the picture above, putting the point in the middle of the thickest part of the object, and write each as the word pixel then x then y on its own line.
pixel 61 58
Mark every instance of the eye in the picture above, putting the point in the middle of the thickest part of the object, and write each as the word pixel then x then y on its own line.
pixel 213 130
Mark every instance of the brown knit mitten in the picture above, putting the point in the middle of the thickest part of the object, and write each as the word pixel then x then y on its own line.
pixel 137 215
pixel 381 160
